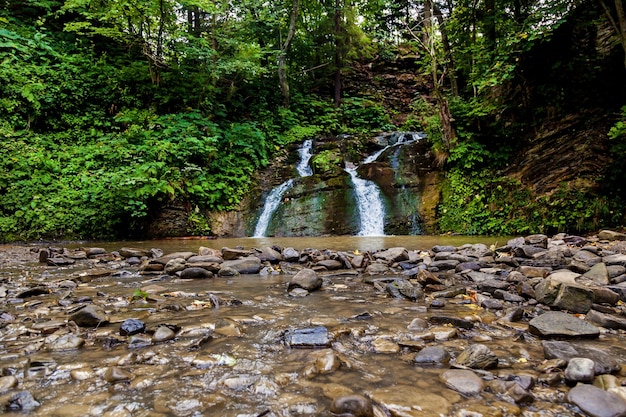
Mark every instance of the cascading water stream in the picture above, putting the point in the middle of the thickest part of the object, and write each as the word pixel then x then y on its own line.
pixel 275 196
pixel 305 152
pixel 369 201
pixel 370 204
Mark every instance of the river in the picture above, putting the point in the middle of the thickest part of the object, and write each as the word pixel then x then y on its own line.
pixel 231 360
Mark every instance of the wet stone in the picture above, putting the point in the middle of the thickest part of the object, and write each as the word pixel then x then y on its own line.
pixel 604 363
pixel 454 321
pixel 465 382
pixel 195 273
pixel 353 406
pixel 558 324
pixel 606 320
pixel 477 356
pixel 8 382
pixel 596 402
pixel 116 374
pixel 66 342
pixel 432 356
pixel 579 370
pixel 90 316
pixel 139 341
pixel 306 279
pixel 20 401
pixel 437 303
pixel 381 345
pixel 308 338
pixel 132 326
pixel 163 334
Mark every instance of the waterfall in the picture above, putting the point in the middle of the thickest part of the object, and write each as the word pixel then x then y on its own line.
pixel 305 152
pixel 370 204
pixel 276 195
pixel 271 204
pixel 369 201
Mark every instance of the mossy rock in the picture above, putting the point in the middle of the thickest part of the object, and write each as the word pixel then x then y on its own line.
pixel 328 163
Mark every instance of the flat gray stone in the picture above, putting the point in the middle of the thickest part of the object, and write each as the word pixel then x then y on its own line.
pixel 558 324
pixel 463 381
pixel 596 402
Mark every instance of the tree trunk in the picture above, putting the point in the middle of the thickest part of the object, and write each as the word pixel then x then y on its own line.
pixel 338 53
pixel 447 49
pixel 619 26
pixel 282 55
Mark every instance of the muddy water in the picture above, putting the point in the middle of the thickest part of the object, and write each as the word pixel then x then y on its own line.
pixel 231 360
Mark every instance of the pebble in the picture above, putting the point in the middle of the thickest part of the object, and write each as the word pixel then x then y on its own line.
pixel 596 402
pixel 463 381
pixel 579 370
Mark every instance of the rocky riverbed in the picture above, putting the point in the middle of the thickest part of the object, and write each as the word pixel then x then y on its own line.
pixel 531 328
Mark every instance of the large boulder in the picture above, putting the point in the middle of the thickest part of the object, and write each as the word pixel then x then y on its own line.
pixel 247 265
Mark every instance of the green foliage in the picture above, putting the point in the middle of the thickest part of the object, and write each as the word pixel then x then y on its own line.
pixel 484 203
pixel 327 162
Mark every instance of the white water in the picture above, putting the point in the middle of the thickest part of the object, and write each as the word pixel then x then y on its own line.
pixel 371 208
pixel 370 204
pixel 276 195
pixel 305 151
pixel 271 204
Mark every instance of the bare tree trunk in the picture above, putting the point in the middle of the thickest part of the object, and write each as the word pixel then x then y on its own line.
pixel 447 49
pixel 447 131
pixel 282 55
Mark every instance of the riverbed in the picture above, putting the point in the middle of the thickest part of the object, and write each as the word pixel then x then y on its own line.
pixel 230 356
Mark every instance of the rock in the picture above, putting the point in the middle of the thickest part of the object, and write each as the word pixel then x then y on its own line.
pixel 90 316
pixel 306 279
pixel 579 370
pixel 323 362
pixel 20 401
pixel 454 321
pixel 604 295
pixel 227 272
pixel 617 259
pixel 376 268
pixel 606 320
pixel 134 252
pixel 268 254
pixel 82 374
pixel 604 363
pixel 139 341
pixel 477 356
pixel 205 259
pixel 195 273
pixel 611 235
pixel 491 304
pixel 231 254
pixel 443 265
pixel 588 258
pixel 308 338
pixel 418 324
pixel 247 265
pixel 165 259
pixel 440 248
pixel 381 345
pixel 432 355
pixel 132 326
pixel 401 287
pixel 352 406
pixel 330 264
pixel 465 382
pixel 291 255
pixel 66 342
pixel 393 255
pixel 537 240
pixel 574 298
pixel 175 265
pixel 8 382
pixel 163 334
pixel 596 402
pixel 116 374
pixel 412 401
pixel 59 261
pixel 558 324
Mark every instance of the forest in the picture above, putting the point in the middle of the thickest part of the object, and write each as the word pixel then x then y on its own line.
pixel 111 109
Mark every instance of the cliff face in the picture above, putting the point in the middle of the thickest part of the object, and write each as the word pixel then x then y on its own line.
pixel 566 96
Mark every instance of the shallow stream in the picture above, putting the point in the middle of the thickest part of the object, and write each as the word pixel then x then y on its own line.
pixel 232 361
